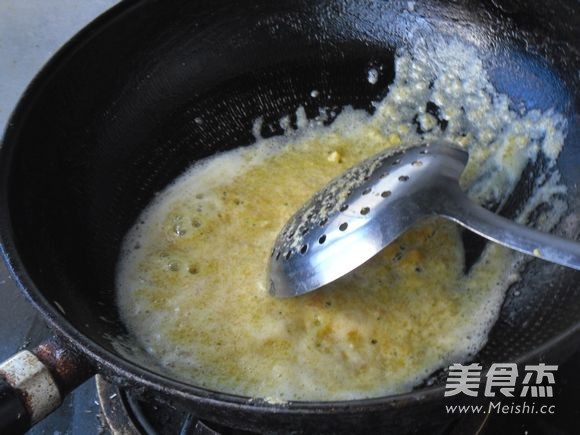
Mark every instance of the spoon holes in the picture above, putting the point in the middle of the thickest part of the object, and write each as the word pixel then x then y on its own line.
pixel 322 239
pixel 365 210
pixel 366 191
pixel 289 254
pixel 403 178
pixel 386 194
pixel 304 249
pixel 343 207
pixel 417 163
pixel 343 226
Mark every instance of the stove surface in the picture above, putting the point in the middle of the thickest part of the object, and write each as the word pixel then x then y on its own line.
pixel 98 407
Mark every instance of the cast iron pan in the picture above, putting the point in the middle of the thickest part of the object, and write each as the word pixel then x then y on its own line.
pixel 110 121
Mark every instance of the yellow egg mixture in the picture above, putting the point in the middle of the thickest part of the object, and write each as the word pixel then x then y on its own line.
pixel 192 282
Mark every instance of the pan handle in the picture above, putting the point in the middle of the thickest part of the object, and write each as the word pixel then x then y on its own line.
pixel 34 382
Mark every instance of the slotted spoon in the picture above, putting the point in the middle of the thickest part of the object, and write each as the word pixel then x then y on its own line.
pixel 367 207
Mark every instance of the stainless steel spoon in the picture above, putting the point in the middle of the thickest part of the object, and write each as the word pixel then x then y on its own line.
pixel 363 210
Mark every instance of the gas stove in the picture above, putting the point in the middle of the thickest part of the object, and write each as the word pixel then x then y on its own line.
pixel 97 406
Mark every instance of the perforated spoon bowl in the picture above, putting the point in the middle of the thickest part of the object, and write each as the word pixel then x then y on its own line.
pixel 366 208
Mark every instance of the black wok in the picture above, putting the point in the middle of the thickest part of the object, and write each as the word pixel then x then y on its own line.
pixel 111 120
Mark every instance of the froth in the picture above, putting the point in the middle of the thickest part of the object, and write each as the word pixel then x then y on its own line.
pixel 193 293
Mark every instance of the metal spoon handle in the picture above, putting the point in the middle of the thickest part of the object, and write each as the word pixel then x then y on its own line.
pixel 515 236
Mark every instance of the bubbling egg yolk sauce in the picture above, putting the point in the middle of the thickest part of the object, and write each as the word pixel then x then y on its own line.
pixel 192 280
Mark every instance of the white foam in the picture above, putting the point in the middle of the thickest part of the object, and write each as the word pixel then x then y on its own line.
pixel 501 141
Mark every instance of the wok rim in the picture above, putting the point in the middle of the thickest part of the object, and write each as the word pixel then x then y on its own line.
pixel 102 358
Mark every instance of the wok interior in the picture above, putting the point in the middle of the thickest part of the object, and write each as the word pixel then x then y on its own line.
pixel 116 123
